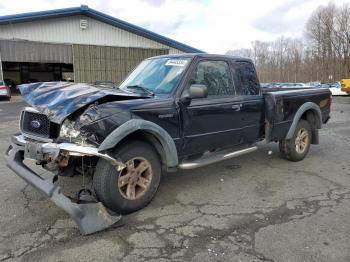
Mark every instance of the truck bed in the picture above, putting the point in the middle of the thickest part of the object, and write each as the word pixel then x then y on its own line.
pixel 282 106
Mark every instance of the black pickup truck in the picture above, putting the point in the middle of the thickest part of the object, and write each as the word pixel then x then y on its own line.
pixel 172 112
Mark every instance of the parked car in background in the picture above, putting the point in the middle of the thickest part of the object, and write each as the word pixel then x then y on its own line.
pixel 294 85
pixel 302 85
pixel 345 86
pixel 5 92
pixel 274 85
pixel 314 84
pixel 285 86
pixel 264 85
pixel 335 88
pixel 270 85
pixel 11 84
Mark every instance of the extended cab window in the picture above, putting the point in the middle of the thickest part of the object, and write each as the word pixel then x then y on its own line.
pixel 247 81
pixel 216 76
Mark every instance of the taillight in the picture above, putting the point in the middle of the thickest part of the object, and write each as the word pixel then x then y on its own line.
pixel 2 87
pixel 330 99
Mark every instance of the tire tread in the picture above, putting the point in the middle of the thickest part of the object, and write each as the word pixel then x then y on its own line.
pixel 287 146
pixel 105 175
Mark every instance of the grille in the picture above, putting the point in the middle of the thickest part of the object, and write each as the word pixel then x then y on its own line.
pixel 35 124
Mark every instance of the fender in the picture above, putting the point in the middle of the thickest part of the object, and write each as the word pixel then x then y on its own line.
pixel 305 107
pixel 138 124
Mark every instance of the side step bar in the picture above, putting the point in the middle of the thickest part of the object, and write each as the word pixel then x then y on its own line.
pixel 216 157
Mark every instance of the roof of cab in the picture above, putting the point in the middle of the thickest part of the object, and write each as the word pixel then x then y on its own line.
pixel 205 55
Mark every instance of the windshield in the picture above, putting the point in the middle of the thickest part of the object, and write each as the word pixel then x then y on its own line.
pixel 158 75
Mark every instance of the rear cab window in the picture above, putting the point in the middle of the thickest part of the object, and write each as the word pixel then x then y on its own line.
pixel 246 78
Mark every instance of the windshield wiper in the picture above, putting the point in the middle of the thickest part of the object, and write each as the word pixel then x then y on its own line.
pixel 142 88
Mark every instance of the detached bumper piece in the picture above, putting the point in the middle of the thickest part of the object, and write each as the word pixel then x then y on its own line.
pixel 90 217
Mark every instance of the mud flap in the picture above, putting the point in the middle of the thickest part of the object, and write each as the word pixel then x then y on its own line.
pixel 90 217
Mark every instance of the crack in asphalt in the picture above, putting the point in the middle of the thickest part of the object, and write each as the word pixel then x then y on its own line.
pixel 249 225
pixel 241 234
pixel 27 199
pixel 18 253
pixel 280 215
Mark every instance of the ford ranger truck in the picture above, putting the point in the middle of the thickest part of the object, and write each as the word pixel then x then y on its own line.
pixel 172 112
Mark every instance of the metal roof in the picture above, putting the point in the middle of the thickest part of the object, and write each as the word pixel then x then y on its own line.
pixel 85 10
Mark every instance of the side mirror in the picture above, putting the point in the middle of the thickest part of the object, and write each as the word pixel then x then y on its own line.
pixel 196 91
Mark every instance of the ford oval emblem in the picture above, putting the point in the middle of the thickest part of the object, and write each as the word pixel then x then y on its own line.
pixel 35 124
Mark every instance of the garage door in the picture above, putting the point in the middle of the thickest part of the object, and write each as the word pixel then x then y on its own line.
pixel 104 63
pixel 35 52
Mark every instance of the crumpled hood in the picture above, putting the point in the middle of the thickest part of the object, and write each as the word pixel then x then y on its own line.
pixel 60 99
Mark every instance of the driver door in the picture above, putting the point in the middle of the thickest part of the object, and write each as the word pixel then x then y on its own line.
pixel 212 122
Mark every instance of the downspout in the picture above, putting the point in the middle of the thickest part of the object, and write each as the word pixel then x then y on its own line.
pixel 1 73
pixel 75 81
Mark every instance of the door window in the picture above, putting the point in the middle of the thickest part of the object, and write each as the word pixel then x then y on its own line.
pixel 216 76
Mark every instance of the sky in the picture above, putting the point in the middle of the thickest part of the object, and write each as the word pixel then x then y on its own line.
pixel 214 26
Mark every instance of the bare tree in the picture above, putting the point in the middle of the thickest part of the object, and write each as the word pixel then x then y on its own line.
pixel 243 52
pixel 322 55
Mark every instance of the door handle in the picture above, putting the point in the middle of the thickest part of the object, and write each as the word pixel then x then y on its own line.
pixel 236 107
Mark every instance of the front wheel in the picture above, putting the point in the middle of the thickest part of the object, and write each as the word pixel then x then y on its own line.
pixel 296 148
pixel 134 187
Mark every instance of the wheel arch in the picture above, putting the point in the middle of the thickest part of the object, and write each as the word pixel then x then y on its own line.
pixel 311 113
pixel 144 130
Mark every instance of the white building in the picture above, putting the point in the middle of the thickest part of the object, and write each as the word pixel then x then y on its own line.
pixel 78 43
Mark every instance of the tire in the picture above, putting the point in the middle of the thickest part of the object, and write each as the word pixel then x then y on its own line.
pixel 289 148
pixel 114 189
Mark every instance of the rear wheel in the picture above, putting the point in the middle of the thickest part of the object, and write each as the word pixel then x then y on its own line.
pixel 134 187
pixel 296 148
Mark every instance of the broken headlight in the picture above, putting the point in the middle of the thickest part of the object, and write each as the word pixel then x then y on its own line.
pixel 68 130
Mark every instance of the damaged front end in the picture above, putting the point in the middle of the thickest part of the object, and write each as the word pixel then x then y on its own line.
pixel 49 135
pixel 91 216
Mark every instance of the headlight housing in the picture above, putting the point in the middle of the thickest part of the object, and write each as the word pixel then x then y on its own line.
pixel 68 130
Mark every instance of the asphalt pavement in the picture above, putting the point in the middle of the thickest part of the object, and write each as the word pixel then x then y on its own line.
pixel 257 207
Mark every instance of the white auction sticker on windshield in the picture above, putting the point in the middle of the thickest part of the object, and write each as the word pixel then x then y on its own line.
pixel 176 62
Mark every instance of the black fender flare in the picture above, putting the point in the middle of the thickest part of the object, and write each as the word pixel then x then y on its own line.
pixel 305 107
pixel 133 125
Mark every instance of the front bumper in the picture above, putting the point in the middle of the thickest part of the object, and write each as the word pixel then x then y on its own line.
pixel 90 217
